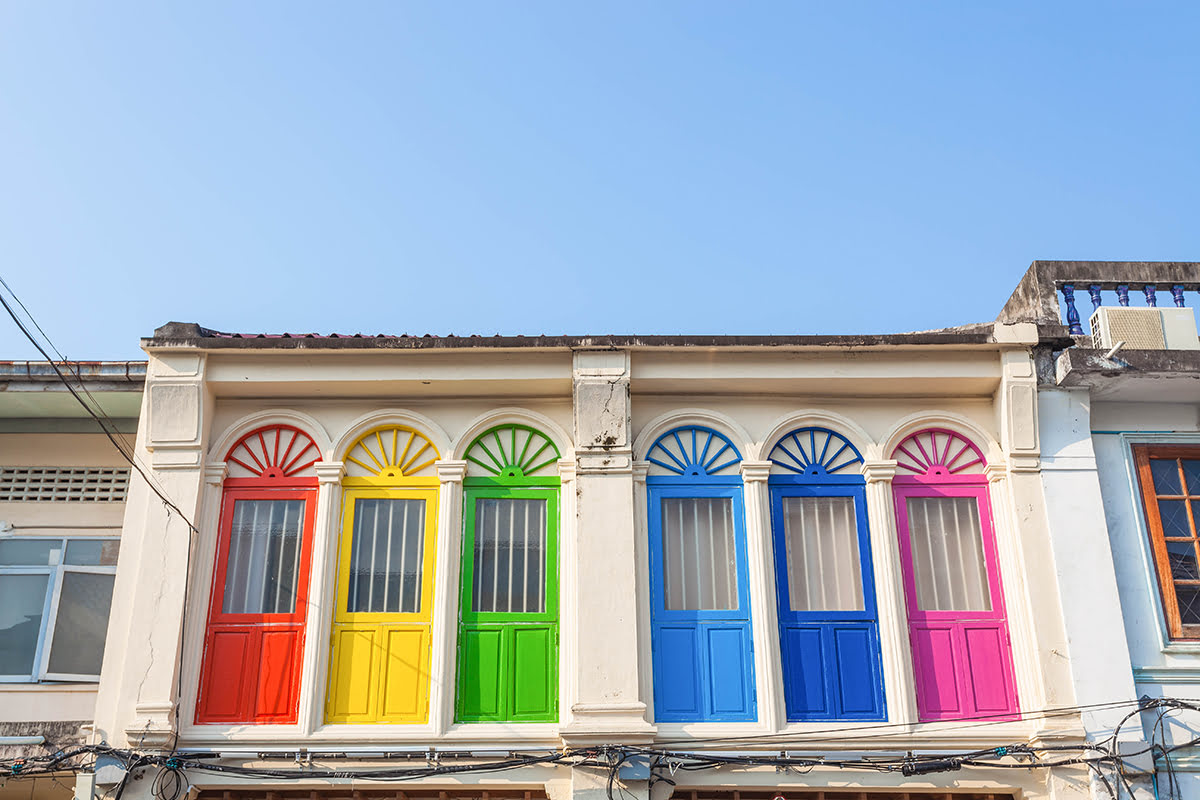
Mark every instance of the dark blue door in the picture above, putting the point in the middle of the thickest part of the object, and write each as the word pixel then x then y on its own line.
pixel 699 584
pixel 829 625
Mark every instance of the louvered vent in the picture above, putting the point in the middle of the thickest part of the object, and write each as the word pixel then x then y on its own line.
pixel 63 484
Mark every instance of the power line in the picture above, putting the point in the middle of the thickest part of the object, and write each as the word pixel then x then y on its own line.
pixel 99 421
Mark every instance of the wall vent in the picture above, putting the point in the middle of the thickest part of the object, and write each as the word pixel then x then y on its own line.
pixel 1144 328
pixel 63 484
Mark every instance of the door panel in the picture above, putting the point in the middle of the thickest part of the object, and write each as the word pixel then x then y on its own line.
pixel 853 653
pixel 277 690
pixel 226 674
pixel 677 673
pixel 729 665
pixel 804 672
pixel 404 673
pixel 986 658
pixel 481 674
pixel 533 672
pixel 350 689
pixel 935 662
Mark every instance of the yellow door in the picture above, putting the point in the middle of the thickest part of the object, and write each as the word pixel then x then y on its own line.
pixel 379 661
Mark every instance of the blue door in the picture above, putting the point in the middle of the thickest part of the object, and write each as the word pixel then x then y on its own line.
pixel 828 622
pixel 699 585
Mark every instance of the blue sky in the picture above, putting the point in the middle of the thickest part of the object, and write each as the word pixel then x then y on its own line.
pixel 528 167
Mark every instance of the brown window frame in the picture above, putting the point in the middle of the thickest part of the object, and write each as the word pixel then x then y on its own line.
pixel 1142 455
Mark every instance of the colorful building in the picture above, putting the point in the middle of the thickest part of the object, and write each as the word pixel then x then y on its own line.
pixel 813 567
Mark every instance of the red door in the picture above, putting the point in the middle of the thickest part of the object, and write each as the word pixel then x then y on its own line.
pixel 255 634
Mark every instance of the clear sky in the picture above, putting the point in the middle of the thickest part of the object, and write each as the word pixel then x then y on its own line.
pixel 530 167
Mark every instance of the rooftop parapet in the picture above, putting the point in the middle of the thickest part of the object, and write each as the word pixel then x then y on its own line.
pixel 1036 298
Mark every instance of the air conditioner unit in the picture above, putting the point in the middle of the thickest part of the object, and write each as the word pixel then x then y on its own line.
pixel 1144 328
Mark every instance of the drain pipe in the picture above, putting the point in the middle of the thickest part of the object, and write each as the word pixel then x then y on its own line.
pixel 20 740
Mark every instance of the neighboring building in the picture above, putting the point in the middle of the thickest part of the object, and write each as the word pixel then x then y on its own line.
pixel 1119 415
pixel 421 553
pixel 62 500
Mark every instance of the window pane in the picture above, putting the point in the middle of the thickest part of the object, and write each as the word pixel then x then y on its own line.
pixel 510 555
pixel 1166 476
pixel 1191 474
pixel 1174 518
pixel 699 553
pixel 947 554
pixel 387 556
pixel 821 539
pixel 22 598
pixel 30 552
pixel 264 557
pixel 1188 598
pixel 1182 557
pixel 77 646
pixel 92 552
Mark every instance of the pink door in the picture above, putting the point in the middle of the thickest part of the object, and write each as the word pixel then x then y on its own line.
pixel 962 654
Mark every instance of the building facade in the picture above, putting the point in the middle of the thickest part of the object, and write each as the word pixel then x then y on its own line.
pixel 813 567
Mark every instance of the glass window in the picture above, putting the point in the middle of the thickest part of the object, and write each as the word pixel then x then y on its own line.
pixel 1170 479
pixel 264 557
pixel 82 622
pixel 387 556
pixel 821 540
pixel 510 555
pixel 699 554
pixel 947 554
pixel 54 610
pixel 22 604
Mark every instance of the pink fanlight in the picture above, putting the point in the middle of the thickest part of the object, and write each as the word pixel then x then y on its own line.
pixel 938 453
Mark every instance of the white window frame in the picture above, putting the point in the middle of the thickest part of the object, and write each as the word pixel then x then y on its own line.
pixel 55 571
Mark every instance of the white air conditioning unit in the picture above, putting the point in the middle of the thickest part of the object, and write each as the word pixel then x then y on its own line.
pixel 1144 328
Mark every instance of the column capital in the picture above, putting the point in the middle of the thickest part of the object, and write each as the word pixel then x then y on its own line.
pixel 451 471
pixel 640 470
pixel 214 473
pixel 756 471
pixel 567 470
pixel 879 471
pixel 995 472
pixel 329 471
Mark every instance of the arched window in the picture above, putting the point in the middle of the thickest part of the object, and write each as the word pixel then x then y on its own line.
pixel 962 656
pixel 828 622
pixel 508 620
pixel 379 662
pixel 699 585
pixel 251 664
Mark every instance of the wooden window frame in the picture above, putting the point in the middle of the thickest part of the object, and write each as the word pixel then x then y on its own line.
pixel 1142 455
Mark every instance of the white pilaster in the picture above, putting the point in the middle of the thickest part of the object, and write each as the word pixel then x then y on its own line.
pixel 898 682
pixel 764 615
pixel 322 594
pixel 442 664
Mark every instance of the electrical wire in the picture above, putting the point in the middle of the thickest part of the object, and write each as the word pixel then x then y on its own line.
pixel 128 456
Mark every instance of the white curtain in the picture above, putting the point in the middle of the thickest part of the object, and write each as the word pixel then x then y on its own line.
pixel 699 553
pixel 822 554
pixel 264 557
pixel 510 555
pixel 947 554
pixel 387 556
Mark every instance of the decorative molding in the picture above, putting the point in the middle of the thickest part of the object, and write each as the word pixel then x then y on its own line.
pixel 640 470
pixel 451 471
pixel 329 471
pixel 756 471
pixel 879 471
pixel 214 474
